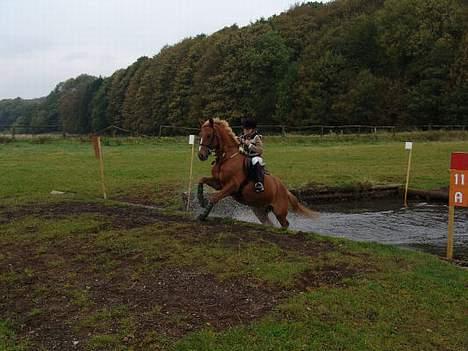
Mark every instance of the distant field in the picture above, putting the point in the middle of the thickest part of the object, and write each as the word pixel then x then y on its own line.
pixel 157 170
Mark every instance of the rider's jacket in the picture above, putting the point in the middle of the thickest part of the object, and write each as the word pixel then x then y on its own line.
pixel 251 144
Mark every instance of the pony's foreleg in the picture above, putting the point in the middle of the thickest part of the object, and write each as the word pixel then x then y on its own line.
pixel 201 199
pixel 228 189
pixel 206 211
pixel 212 182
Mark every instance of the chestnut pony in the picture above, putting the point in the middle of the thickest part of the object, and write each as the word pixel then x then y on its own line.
pixel 229 178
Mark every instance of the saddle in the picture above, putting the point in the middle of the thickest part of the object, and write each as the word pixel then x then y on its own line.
pixel 250 176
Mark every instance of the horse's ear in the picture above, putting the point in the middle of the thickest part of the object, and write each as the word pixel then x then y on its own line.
pixel 211 122
pixel 201 122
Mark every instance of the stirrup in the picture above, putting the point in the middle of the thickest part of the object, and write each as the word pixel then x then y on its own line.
pixel 259 188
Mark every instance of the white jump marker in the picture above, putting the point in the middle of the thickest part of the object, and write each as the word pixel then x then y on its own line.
pixel 409 147
pixel 191 141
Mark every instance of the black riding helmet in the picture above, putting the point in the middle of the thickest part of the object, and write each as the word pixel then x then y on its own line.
pixel 249 123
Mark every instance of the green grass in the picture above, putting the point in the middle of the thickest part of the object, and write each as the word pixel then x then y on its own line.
pixel 418 307
pixel 88 274
pixel 397 300
pixel 406 311
pixel 8 340
pixel 157 171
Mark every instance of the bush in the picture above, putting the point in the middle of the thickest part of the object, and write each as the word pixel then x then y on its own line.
pixel 41 140
pixel 5 140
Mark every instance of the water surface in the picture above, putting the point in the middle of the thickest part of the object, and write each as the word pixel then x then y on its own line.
pixel 421 226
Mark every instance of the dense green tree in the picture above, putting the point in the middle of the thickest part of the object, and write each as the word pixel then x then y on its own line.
pixel 319 84
pixel 17 112
pixel 73 103
pixel 363 102
pixel 268 59
pixel 98 107
pixel 455 98
pixel 347 61
pixel 130 111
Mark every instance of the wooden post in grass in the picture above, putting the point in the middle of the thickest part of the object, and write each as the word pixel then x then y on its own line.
pixel 458 194
pixel 408 146
pixel 98 152
pixel 451 225
pixel 189 191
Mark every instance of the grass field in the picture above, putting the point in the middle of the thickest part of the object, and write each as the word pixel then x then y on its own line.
pixel 77 273
pixel 158 171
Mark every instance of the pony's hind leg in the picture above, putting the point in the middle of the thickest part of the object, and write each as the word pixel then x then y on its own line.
pixel 283 221
pixel 281 214
pixel 262 215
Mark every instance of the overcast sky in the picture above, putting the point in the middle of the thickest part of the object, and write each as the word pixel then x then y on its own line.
pixel 43 42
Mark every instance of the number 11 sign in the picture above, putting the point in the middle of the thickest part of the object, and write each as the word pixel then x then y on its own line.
pixel 458 196
pixel 459 179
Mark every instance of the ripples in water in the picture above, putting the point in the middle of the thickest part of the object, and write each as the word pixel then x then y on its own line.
pixel 422 226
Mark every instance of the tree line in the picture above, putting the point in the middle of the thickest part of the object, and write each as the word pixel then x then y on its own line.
pixel 392 62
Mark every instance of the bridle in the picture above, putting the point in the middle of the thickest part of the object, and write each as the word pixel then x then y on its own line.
pixel 219 157
pixel 213 137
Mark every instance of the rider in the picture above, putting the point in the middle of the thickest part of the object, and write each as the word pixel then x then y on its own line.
pixel 252 147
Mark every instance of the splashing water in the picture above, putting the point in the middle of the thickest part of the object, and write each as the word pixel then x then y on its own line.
pixel 421 226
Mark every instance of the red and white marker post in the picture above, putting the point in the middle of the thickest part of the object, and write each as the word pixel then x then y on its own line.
pixel 458 195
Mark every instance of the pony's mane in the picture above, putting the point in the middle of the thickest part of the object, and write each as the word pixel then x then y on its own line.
pixel 225 125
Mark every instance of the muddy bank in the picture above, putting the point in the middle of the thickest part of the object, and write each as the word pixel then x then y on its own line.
pixel 322 195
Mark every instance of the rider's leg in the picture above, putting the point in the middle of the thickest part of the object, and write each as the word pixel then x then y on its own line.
pixel 259 173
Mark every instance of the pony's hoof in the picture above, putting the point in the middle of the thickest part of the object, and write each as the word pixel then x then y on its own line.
pixel 201 218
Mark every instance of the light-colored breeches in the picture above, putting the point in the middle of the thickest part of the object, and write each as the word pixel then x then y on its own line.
pixel 258 159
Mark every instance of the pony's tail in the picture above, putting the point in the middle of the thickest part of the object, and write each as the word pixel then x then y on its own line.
pixel 297 207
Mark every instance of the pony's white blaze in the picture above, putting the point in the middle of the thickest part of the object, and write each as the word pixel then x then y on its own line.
pixel 201 142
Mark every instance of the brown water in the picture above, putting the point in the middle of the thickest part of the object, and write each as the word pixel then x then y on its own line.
pixel 421 226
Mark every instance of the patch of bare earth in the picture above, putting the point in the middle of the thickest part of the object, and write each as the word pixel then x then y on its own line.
pixel 124 217
pixel 48 294
pixel 47 302
pixel 186 300
pixel 121 217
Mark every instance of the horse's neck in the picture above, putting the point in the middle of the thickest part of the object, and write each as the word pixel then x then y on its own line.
pixel 228 145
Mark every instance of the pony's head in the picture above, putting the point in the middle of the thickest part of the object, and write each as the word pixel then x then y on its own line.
pixel 209 139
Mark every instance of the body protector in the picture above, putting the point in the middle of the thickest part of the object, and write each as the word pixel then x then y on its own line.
pixel 252 147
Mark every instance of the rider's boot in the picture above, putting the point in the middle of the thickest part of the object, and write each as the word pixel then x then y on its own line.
pixel 259 178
